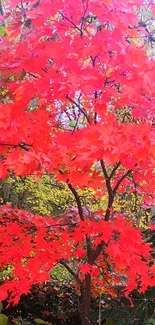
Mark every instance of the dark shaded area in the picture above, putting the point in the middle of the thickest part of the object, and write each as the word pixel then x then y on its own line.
pixel 57 304
pixel 53 303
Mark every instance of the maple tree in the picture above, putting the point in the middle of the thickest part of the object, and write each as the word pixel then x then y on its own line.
pixel 77 102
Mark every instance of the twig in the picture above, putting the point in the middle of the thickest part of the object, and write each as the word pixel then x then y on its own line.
pixel 1 8
pixel 121 180
pixel 114 170
pixel 71 22
pixel 109 188
pixel 111 194
pixel 21 145
pixel 80 210
pixel 81 109
pixel 83 18
pixel 62 262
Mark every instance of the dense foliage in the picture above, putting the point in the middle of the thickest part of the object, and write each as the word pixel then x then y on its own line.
pixel 77 103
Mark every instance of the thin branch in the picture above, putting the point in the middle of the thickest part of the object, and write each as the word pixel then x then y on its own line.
pixel 109 188
pixel 101 271
pixel 76 124
pixel 36 4
pixel 98 250
pixel 93 59
pixel 100 312
pixel 109 207
pixel 1 8
pixel 80 210
pixel 63 225
pixel 111 194
pixel 81 109
pixel 33 75
pixel 83 18
pixel 21 145
pixel 95 118
pixel 62 262
pixel 136 195
pixel 68 115
pixel 78 202
pixel 114 170
pixel 71 22
pixel 121 180
pixel 9 145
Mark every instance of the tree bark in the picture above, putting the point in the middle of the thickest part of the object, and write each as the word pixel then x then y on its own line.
pixel 85 301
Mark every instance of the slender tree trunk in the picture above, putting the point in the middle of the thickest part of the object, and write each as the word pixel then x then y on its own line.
pixel 85 301
pixel 1 8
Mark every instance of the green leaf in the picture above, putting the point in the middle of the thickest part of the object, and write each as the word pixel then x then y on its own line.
pixel 2 31
pixel 111 313
pixel 38 321
pixel 115 312
pixel 72 124
pixel 151 321
pixel 147 14
pixel 3 319
pixel 110 322
pixel 1 306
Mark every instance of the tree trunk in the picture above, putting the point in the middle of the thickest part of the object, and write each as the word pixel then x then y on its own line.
pixel 85 301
